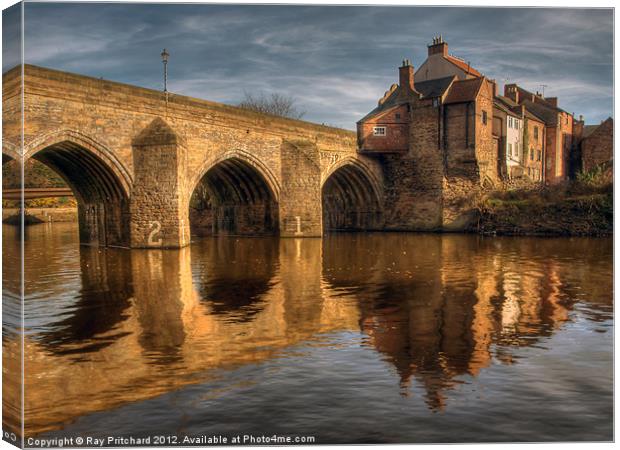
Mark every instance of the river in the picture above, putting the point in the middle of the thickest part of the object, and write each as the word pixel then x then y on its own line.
pixel 355 338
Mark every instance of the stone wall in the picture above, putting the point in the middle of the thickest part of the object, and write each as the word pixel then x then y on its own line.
pixel 100 120
pixel 598 148
pixel 413 181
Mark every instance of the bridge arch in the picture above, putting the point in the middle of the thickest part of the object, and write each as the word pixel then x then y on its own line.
pixel 100 182
pixel 351 197
pixel 234 193
pixel 10 152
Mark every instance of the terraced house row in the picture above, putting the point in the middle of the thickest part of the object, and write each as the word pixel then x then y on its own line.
pixel 449 111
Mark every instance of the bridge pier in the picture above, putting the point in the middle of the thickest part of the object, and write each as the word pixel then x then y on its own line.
pixel 159 200
pixel 300 201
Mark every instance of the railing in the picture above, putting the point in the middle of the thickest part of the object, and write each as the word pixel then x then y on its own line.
pixel 31 193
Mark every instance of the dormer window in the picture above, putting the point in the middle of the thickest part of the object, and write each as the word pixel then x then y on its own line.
pixel 379 131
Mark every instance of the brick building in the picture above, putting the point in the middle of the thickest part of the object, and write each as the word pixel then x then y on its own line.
pixel 508 127
pixel 534 138
pixel 522 140
pixel 558 130
pixel 597 145
pixel 436 144
pixel 443 136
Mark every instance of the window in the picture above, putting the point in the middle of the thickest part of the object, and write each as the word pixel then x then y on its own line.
pixel 531 154
pixel 536 134
pixel 509 122
pixel 539 156
pixel 378 131
pixel 484 117
pixel 435 102
pixel 397 116
pixel 509 149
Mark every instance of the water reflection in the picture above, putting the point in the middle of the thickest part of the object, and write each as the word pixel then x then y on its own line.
pixel 110 327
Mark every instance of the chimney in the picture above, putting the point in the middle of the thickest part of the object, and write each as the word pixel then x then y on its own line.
pixel 553 101
pixel 512 92
pixel 438 47
pixel 406 76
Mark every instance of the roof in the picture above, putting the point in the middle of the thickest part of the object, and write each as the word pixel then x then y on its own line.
pixel 544 111
pixel 541 101
pixel 466 67
pixel 434 88
pixel 507 101
pixel 530 115
pixel 589 129
pixel 506 105
pixel 393 100
pixel 463 91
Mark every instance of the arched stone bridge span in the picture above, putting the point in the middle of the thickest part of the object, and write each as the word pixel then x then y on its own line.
pixel 134 157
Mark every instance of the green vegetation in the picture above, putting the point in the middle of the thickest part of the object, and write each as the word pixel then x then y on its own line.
pixel 36 174
pixel 578 208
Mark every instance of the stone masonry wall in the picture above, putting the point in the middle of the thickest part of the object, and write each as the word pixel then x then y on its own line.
pixel 300 200
pixel 413 187
pixel 598 148
pixel 110 115
pixel 159 201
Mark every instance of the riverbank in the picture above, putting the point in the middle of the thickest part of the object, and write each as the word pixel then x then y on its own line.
pixel 40 215
pixel 575 209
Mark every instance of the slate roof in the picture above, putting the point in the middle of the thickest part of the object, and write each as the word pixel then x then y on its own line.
pixel 394 100
pixel 506 105
pixel 434 88
pixel 463 91
pixel 547 113
pixel 589 129
pixel 530 115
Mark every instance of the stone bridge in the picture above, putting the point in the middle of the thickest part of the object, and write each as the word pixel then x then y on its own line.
pixel 144 164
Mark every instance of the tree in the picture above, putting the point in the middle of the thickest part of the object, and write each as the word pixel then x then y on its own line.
pixel 276 104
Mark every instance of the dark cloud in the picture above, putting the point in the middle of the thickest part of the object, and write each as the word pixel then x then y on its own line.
pixel 337 61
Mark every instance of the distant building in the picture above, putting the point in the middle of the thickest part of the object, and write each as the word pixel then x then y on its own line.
pixel 440 64
pixel 559 130
pixel 597 145
pixel 508 127
pixel 534 138
pixel 444 136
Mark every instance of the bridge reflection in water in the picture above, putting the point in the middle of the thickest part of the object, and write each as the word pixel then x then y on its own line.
pixel 109 327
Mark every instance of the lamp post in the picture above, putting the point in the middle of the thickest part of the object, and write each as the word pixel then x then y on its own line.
pixel 164 59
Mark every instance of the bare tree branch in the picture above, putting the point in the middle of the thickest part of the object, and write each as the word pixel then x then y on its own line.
pixel 276 104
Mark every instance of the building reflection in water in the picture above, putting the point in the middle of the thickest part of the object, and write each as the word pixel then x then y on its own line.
pixel 107 327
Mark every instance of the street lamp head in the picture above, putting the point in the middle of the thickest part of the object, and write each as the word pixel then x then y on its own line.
pixel 164 56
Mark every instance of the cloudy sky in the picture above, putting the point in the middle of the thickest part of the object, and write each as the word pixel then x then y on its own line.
pixel 336 61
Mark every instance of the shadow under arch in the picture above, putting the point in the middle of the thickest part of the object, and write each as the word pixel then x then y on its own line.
pixel 351 198
pixel 100 182
pixel 234 194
